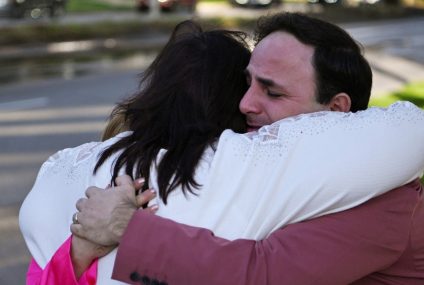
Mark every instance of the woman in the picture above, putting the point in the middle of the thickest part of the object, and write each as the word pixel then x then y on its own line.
pixel 189 97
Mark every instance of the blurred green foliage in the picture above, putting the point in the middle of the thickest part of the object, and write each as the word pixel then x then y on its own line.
pixel 413 92
pixel 95 5
pixel 46 32
pixel 53 33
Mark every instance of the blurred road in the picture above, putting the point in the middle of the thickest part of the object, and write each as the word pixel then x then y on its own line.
pixel 395 50
pixel 36 120
pixel 203 10
pixel 39 117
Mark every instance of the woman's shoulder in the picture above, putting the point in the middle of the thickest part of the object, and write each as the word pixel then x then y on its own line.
pixel 76 155
pixel 319 123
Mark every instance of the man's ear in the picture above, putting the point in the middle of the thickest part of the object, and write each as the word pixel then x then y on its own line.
pixel 341 102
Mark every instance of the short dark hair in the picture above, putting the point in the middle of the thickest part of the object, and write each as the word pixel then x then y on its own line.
pixel 338 61
pixel 189 95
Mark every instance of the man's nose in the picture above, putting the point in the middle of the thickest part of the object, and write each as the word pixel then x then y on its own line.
pixel 249 103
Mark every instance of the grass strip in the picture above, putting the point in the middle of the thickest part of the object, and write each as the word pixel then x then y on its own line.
pixel 413 92
pixel 97 6
pixel 47 33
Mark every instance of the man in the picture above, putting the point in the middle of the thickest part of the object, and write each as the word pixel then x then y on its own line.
pixel 299 65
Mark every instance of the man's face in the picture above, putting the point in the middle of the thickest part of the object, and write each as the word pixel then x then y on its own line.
pixel 281 81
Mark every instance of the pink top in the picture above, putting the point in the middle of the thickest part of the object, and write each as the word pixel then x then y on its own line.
pixel 59 270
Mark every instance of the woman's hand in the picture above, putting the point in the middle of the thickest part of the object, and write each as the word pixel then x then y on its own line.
pixel 105 214
pixel 84 252
pixel 86 245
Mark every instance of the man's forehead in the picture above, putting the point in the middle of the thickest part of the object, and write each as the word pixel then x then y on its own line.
pixel 279 44
pixel 281 53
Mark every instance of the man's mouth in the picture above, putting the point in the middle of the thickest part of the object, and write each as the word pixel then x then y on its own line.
pixel 252 128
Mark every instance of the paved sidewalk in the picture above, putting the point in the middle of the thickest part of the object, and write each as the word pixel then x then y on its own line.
pixel 391 73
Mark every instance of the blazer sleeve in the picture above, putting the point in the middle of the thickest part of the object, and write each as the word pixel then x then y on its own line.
pixel 334 249
pixel 59 270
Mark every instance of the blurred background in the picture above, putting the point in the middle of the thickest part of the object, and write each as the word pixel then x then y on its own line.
pixel 64 63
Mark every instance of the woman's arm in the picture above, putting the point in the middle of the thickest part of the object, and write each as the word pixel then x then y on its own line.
pixel 46 212
pixel 60 269
pixel 315 164
pixel 84 253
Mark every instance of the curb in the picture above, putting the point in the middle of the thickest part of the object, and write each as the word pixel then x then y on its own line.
pixel 82 46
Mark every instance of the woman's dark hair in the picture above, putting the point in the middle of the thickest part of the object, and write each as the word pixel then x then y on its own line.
pixel 338 61
pixel 189 95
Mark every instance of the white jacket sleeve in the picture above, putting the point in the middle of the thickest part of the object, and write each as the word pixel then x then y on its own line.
pixel 314 164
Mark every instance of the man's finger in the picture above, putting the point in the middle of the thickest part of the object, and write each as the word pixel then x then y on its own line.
pixel 91 191
pixel 124 180
pixel 80 203
pixel 145 196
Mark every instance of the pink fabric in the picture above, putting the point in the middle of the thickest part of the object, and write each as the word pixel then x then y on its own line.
pixel 60 270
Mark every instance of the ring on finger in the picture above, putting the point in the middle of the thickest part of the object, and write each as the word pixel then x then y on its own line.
pixel 75 218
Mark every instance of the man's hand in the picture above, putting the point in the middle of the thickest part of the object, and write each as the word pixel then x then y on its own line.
pixel 105 213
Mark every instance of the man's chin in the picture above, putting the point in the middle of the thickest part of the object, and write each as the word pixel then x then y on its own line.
pixel 252 129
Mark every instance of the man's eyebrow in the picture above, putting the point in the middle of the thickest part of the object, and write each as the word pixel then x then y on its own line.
pixel 266 82
pixel 263 81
